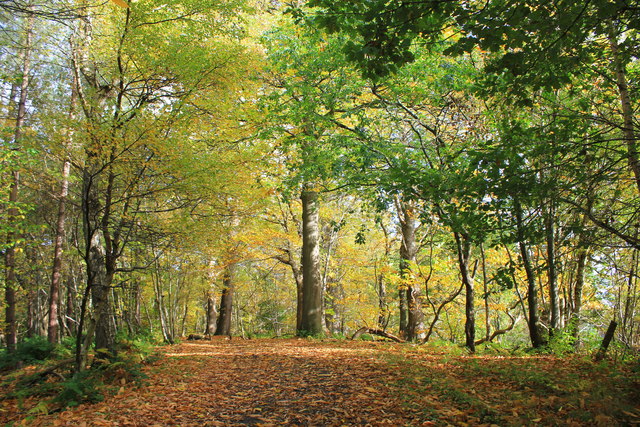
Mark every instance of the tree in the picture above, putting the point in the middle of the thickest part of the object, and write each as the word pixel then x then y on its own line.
pixel 131 99
pixel 18 99
pixel 306 89
pixel 531 46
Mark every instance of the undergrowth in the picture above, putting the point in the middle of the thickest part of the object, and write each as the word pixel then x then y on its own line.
pixel 30 351
pixel 50 383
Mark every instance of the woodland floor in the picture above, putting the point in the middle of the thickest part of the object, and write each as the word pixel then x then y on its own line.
pixel 308 382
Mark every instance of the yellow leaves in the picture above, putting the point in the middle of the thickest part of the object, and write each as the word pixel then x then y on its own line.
pixel 121 3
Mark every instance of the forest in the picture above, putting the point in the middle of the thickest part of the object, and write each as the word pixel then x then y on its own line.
pixel 455 174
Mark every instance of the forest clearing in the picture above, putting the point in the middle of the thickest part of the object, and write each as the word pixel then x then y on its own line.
pixel 272 382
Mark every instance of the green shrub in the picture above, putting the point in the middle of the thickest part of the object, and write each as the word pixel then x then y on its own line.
pixel 83 387
pixel 35 349
pixel 561 342
pixel 65 349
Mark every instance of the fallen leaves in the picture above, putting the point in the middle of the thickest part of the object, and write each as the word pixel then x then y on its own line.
pixel 304 382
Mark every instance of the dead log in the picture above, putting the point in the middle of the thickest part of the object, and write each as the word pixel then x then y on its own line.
pixel 42 375
pixel 197 337
pixel 608 336
pixel 379 332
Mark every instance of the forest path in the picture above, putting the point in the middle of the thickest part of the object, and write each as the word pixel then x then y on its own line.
pixel 254 382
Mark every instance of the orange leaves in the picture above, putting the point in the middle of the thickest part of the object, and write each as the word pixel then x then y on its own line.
pixel 301 382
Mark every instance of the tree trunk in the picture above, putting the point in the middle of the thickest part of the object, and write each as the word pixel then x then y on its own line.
pixel 70 312
pixel 56 274
pixel 554 300
pixel 532 299
pixel 628 129
pixel 608 337
pixel 311 320
pixel 13 213
pixel 464 253
pixel 32 313
pixel 331 311
pixel 383 305
pixel 210 329
pixel 485 289
pixel 100 285
pixel 223 326
pixel 403 307
pixel 382 301
pixel 581 263
pixel 297 276
pixel 436 312
pixel 98 276
pixel 408 250
pixel 627 332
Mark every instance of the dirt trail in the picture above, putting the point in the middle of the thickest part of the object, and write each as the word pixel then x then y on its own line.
pixel 253 382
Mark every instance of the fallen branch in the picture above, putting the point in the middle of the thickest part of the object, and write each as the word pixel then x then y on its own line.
pixel 41 375
pixel 379 332
pixel 499 331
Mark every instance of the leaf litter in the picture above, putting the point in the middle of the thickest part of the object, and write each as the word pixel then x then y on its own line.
pixel 335 383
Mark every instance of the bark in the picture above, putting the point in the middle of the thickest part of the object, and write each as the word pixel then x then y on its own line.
pixel 56 274
pixel 332 313
pixel 403 307
pixel 498 332
pixel 436 314
pixel 210 329
pixel 167 333
pixel 382 301
pixel 100 286
pixel 11 328
pixel 627 331
pixel 223 325
pixel 581 264
pixel 70 314
pixel 608 337
pixel 628 129
pixel 297 276
pixel 464 253
pixel 408 250
pixel 554 300
pixel 532 299
pixel 485 289
pixel 311 320
pixel 383 306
